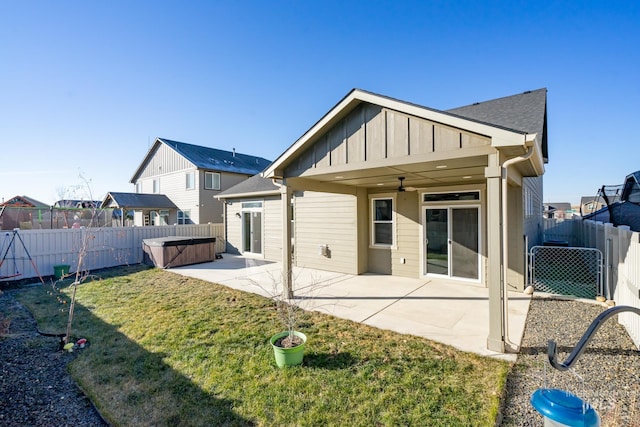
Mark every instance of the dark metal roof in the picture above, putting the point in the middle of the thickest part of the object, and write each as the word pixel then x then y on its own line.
pixel 137 201
pixel 526 112
pixel 218 160
pixel 255 184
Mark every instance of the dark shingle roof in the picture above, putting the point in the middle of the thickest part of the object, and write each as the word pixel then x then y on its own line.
pixel 24 201
pixel 524 112
pixel 137 201
pixel 219 160
pixel 254 185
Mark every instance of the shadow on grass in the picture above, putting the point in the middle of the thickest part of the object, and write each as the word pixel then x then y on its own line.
pixel 130 385
pixel 329 361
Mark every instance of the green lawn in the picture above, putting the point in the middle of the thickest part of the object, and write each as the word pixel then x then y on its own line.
pixel 171 350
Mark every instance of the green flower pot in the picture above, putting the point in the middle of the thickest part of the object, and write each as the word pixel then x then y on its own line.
pixel 288 356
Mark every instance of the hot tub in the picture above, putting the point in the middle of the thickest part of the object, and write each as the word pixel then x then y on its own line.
pixel 175 251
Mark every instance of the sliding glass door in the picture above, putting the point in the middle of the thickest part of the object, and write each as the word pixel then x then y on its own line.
pixel 452 242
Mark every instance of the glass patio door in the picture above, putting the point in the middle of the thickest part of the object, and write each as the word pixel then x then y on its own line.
pixel 452 242
pixel 252 232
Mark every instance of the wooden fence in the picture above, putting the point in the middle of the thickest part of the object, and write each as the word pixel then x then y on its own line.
pixel 28 250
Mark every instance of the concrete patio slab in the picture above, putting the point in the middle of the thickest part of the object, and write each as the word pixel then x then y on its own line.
pixel 449 312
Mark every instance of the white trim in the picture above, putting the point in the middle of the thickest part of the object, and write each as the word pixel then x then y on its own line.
pixel 449 207
pixel 394 222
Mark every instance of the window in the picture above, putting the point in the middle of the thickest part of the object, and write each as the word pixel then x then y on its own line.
pixel 184 217
pixel 382 222
pixel 154 217
pixel 156 186
pixel 163 217
pixel 190 180
pixel 212 180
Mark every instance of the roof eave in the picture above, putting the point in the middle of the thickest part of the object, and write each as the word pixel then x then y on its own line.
pixel 248 194
pixel 500 137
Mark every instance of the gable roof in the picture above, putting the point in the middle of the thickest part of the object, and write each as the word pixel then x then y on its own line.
pixel 209 158
pixel 25 202
pixel 502 134
pixel 526 111
pixel 137 201
pixel 76 203
pixel 254 186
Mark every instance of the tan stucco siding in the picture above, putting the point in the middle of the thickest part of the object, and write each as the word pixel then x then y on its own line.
pixel 371 133
pixel 326 219
pixel 407 236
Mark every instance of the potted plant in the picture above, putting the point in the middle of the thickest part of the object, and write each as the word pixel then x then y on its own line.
pixel 288 345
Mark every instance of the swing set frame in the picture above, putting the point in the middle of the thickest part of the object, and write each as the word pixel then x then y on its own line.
pixel 11 236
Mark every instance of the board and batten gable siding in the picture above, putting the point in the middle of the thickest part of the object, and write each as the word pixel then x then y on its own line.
pixel 326 219
pixel 372 134
pixel 164 161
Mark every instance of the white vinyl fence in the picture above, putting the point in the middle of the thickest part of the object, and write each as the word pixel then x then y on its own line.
pixel 621 251
pixel 28 250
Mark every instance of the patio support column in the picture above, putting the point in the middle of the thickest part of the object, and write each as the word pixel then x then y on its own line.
pixel 493 174
pixel 287 276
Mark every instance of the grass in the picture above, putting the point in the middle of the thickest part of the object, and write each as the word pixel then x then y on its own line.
pixel 171 350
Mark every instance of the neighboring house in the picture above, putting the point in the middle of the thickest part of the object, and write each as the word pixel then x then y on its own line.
pixel 623 204
pixel 11 216
pixel 191 176
pixel 383 186
pixel 148 209
pixel 77 204
pixel 590 204
pixel 560 210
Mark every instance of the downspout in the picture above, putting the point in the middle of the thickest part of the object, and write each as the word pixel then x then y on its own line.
pixel 505 252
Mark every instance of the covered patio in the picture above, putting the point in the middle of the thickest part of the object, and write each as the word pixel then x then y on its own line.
pixel 445 311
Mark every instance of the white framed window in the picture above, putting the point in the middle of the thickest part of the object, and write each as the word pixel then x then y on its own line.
pixel 156 186
pixel 212 180
pixel 190 180
pixel 382 222
pixel 184 217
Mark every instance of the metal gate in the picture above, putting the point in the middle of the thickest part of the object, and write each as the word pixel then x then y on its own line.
pixel 567 271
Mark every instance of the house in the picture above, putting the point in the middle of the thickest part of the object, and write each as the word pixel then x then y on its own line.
pixel 559 210
pixel 190 176
pixel 590 204
pixel 21 212
pixel 77 204
pixel 148 209
pixel 379 185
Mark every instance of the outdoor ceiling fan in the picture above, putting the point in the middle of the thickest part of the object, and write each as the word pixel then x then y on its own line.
pixel 402 188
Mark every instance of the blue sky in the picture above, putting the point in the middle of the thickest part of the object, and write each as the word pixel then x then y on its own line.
pixel 86 87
